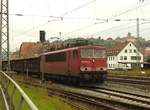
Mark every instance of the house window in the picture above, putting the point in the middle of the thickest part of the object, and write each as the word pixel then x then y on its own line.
pixel 114 65
pixel 125 57
pixel 121 57
pixel 139 58
pixel 130 50
pixel 109 66
pixel 125 51
pixel 112 58
pixel 135 58
pixel 134 51
pixel 130 45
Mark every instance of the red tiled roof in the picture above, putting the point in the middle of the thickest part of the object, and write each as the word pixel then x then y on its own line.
pixel 28 49
pixel 114 50
pixel 146 52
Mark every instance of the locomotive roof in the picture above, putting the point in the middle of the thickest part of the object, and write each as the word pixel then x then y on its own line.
pixel 74 48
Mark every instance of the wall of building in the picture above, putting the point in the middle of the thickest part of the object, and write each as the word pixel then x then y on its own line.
pixel 127 58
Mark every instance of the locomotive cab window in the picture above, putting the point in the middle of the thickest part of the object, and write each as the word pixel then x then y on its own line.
pixel 86 53
pixel 92 53
pixel 99 53
pixel 56 57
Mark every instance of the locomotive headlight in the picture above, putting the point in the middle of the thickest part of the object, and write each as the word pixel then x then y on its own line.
pixel 93 60
pixel 85 68
pixel 105 69
pixel 100 69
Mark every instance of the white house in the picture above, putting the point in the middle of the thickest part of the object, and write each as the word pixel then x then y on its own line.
pixel 124 56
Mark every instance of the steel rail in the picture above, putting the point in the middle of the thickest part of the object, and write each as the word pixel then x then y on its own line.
pixel 132 99
pixel 77 106
pixel 108 97
pixel 24 97
pixel 94 87
pixel 138 81
pixel 37 84
pixel 93 101
pixel 131 77
pixel 125 92
pixel 125 96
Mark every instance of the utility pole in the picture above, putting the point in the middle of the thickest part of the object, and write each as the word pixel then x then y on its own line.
pixel 137 28
pixel 138 44
pixel 4 33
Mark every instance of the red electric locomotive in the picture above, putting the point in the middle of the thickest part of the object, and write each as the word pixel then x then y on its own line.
pixel 83 63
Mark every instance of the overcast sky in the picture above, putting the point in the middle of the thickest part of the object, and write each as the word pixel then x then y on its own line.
pixel 76 18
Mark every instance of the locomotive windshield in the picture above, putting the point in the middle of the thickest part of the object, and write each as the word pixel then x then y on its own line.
pixel 92 53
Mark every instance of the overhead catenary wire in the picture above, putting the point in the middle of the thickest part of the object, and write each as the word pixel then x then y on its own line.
pixel 79 7
pixel 124 12
pixel 49 9
pixel 109 29
pixel 129 10
pixel 57 18
pixel 123 27
pixel 63 16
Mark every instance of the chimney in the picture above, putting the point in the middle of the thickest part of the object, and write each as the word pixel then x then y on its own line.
pixel 42 36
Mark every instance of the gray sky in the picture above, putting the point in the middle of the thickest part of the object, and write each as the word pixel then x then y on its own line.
pixel 76 18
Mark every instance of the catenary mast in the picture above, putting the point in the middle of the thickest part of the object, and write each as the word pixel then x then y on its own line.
pixel 4 32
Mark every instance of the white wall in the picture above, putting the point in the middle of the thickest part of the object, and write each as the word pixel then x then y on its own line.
pixel 112 61
pixel 131 50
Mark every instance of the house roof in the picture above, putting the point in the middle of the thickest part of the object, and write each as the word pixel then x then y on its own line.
pixel 146 52
pixel 114 50
pixel 28 49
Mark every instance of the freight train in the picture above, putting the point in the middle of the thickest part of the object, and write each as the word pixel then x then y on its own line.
pixel 76 64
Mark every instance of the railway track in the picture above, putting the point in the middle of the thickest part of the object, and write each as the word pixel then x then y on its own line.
pixel 37 83
pixel 100 97
pixel 110 99
pixel 92 101
pixel 75 97
pixel 141 101
pixel 129 79
pixel 70 102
